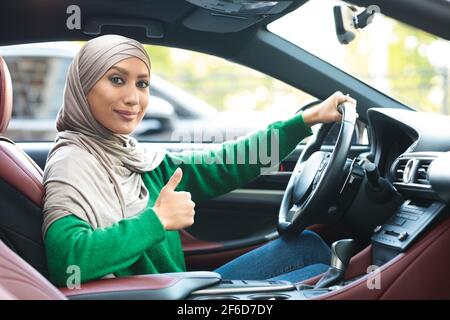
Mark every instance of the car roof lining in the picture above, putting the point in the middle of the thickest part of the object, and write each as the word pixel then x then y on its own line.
pixel 173 15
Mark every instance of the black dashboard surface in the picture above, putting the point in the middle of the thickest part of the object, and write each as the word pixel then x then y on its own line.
pixel 397 131
pixel 412 150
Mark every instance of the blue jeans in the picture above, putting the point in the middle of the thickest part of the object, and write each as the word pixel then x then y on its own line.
pixel 293 258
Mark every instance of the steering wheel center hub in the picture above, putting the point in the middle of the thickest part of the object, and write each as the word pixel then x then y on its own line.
pixel 309 175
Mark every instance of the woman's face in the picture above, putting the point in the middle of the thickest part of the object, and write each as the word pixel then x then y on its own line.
pixel 119 99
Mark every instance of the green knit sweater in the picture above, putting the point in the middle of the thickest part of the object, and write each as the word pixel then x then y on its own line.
pixel 140 244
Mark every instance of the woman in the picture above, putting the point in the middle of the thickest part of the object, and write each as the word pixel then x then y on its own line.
pixel 113 207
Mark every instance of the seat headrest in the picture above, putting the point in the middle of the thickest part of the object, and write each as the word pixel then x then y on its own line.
pixel 6 96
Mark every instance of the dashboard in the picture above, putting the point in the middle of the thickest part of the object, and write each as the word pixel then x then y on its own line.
pixel 412 150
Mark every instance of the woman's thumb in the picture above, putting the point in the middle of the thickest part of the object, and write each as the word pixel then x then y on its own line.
pixel 175 179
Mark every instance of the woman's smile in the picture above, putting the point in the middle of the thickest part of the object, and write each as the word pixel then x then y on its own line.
pixel 126 115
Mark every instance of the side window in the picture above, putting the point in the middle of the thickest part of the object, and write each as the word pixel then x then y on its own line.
pixel 194 97
pixel 213 100
pixel 38 84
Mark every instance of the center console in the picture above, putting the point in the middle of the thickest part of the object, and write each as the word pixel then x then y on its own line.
pixel 257 290
pixel 399 232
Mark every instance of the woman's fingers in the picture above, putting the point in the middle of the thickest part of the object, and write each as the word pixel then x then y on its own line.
pixel 351 100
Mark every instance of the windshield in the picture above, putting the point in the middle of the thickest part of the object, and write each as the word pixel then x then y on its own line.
pixel 404 62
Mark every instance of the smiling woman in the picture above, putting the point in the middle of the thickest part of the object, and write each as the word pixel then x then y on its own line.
pixel 120 98
pixel 89 120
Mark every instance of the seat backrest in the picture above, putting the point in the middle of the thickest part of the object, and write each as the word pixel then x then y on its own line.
pixel 18 280
pixel 21 189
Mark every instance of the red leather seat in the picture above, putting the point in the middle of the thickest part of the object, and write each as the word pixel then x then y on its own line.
pixel 21 189
pixel 21 193
pixel 18 280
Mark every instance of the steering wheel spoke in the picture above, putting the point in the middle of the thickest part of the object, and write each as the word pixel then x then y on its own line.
pixel 292 212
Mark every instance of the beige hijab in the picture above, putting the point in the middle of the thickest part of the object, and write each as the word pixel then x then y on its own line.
pixel 92 172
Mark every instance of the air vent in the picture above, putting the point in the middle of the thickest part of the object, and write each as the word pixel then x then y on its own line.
pixel 411 171
pixel 400 170
pixel 421 173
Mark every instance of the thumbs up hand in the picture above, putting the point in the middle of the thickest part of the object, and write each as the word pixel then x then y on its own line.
pixel 175 209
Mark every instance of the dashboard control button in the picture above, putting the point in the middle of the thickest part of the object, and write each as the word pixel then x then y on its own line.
pixel 402 236
pixel 399 221
pixel 377 229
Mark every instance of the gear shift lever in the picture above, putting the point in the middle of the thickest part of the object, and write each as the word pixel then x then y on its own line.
pixel 341 253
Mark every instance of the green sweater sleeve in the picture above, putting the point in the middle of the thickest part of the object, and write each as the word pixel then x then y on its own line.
pixel 71 241
pixel 210 173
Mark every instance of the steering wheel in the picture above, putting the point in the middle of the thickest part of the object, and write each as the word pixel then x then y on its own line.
pixel 317 177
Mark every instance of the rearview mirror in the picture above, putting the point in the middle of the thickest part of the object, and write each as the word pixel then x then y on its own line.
pixel 347 20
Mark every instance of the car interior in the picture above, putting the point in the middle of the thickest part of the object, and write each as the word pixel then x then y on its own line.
pixel 381 206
